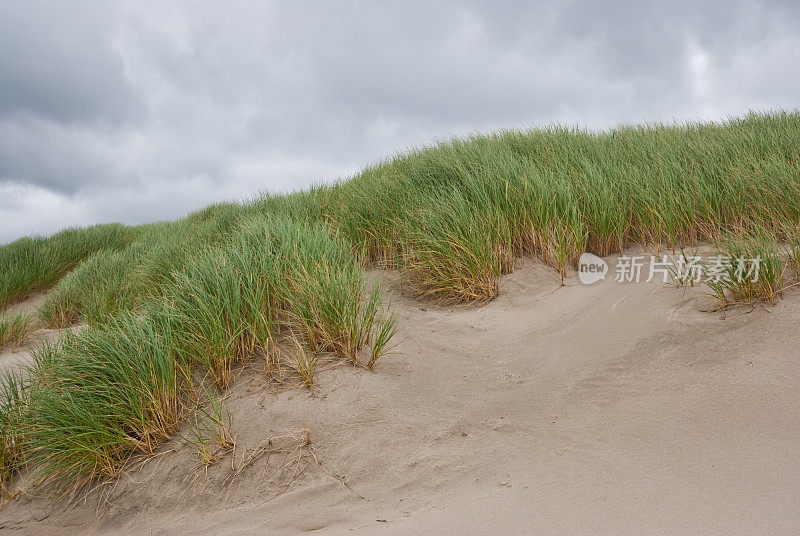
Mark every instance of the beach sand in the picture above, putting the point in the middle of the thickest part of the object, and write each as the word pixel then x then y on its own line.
pixel 611 408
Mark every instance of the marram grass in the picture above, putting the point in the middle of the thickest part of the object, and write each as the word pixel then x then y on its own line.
pixel 35 263
pixel 231 282
pixel 14 330
pixel 103 394
pixel 12 394
pixel 119 386
pixel 454 215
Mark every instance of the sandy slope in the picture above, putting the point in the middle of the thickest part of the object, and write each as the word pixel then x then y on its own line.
pixel 613 408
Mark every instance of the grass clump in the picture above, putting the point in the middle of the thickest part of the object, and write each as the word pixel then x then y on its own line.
pixel 304 362
pixel 274 275
pixel 206 304
pixel 118 387
pixel 793 250
pixel 99 396
pixel 210 430
pixel 12 397
pixel 14 330
pixel 752 268
pixel 383 331
pixel 321 288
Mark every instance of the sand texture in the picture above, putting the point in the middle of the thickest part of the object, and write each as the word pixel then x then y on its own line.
pixel 611 408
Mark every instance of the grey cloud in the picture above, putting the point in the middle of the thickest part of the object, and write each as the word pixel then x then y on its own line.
pixel 58 60
pixel 141 111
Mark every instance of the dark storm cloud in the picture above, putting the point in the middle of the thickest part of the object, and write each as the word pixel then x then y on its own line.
pixel 139 111
pixel 58 60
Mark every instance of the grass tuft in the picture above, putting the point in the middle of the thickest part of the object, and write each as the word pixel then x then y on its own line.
pixel 99 396
pixel 14 330
pixel 793 249
pixel 13 391
pixel 755 271
pixel 385 329
pixel 210 431
pixel 304 362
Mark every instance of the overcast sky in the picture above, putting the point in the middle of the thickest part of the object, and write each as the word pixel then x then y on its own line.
pixel 139 111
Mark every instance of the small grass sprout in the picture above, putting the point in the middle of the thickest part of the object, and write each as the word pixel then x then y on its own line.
pixel 304 362
pixel 210 430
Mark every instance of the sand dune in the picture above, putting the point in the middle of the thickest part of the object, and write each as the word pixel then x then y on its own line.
pixel 611 408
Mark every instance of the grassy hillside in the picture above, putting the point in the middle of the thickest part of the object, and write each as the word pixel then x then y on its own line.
pixel 452 217
pixel 229 282
pixel 37 263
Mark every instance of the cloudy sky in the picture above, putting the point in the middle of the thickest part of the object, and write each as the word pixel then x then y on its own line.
pixel 139 111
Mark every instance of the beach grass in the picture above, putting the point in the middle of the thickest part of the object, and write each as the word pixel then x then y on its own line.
pixel 13 386
pixel 227 284
pixel 210 433
pixel 31 264
pixel 119 386
pixel 99 396
pixel 14 330
pixel 453 217
pixel 793 249
pixel 754 269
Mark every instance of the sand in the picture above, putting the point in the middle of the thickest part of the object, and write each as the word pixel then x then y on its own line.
pixel 611 408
